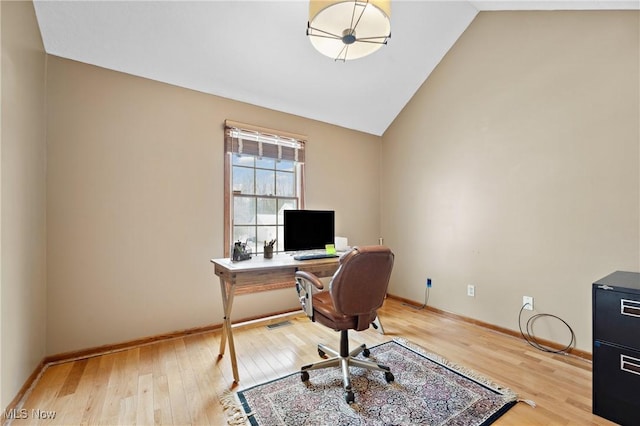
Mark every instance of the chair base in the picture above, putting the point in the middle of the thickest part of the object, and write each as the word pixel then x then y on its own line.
pixel 344 359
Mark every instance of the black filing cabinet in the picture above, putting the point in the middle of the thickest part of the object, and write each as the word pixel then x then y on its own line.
pixel 616 347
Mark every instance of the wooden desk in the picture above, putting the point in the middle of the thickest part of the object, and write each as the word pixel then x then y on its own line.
pixel 259 271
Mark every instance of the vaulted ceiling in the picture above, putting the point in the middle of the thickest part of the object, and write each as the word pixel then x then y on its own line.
pixel 257 51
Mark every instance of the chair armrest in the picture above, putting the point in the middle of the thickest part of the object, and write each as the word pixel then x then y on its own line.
pixel 305 281
pixel 308 276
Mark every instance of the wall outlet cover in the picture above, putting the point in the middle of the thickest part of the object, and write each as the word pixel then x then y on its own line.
pixel 527 302
pixel 471 290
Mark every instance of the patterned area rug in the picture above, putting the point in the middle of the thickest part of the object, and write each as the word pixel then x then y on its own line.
pixel 427 390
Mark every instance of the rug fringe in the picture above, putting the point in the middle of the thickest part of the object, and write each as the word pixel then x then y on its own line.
pixel 232 407
pixel 471 374
pixel 528 402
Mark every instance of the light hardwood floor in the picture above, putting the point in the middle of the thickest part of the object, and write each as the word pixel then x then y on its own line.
pixel 179 381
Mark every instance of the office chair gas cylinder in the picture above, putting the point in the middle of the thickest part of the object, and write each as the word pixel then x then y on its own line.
pixel 356 291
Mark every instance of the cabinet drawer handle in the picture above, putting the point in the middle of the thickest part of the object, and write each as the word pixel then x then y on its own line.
pixel 630 307
pixel 630 364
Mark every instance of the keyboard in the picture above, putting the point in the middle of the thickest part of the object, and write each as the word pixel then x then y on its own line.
pixel 309 256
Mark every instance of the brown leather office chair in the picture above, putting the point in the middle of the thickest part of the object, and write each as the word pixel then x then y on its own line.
pixel 356 291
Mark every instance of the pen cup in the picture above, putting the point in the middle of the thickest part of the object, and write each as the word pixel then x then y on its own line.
pixel 268 252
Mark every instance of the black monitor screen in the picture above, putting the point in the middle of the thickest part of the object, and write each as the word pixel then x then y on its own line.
pixel 308 229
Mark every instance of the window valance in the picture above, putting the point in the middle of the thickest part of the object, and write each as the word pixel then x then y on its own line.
pixel 251 140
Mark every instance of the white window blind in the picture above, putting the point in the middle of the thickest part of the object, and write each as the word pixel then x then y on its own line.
pixel 263 144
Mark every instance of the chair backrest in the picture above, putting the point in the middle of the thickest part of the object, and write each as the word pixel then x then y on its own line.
pixel 359 286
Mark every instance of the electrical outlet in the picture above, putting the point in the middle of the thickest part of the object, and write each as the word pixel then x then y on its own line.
pixel 471 290
pixel 527 302
pixel 428 282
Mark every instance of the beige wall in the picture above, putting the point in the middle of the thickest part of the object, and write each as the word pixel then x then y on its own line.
pixel 135 203
pixel 23 216
pixel 516 168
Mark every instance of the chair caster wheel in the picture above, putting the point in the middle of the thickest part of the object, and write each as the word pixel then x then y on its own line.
pixel 366 352
pixel 348 396
pixel 322 354
pixel 304 376
pixel 388 376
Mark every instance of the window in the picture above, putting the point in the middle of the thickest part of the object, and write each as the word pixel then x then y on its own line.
pixel 263 177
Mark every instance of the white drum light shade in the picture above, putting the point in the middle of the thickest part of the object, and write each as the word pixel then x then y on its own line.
pixel 349 29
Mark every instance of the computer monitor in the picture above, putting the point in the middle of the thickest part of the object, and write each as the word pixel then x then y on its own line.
pixel 308 229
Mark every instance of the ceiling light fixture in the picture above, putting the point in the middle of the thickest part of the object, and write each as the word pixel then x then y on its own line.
pixel 349 29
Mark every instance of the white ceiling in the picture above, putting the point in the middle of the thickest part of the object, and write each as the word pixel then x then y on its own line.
pixel 257 51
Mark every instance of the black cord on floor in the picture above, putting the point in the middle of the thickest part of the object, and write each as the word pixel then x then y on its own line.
pixel 530 338
pixel 426 300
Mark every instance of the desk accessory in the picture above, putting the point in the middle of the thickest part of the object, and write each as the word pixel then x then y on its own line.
pixel 240 252
pixel 268 249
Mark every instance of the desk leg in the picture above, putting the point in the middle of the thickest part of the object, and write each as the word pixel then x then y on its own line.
pixel 227 333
